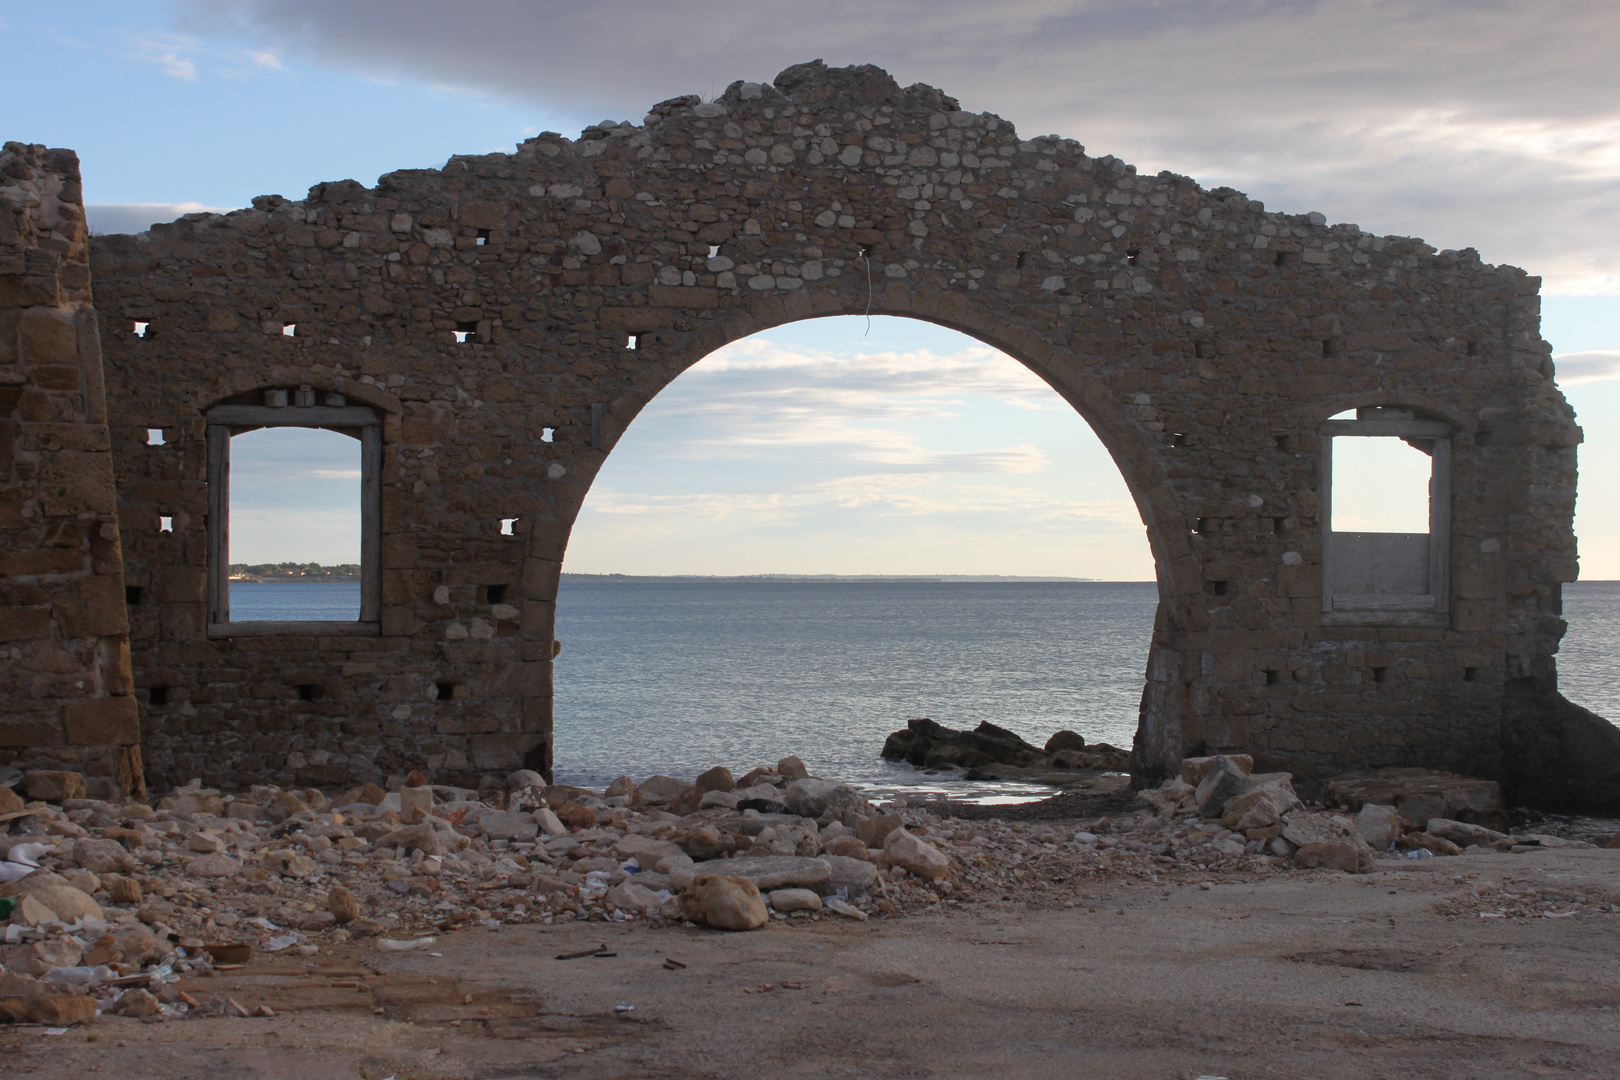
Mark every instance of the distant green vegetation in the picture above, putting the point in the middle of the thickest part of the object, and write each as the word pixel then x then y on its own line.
pixel 304 573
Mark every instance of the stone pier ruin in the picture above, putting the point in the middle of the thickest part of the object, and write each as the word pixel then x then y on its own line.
pixel 488 330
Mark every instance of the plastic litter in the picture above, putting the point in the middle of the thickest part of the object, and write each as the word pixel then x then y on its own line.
pixel 1420 853
pixel 276 944
pixel 394 945
pixel 623 1007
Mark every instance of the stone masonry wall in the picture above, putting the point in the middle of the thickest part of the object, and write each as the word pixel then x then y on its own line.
pixel 1205 339
pixel 65 685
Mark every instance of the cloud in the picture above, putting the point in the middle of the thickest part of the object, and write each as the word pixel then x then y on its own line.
pixel 1583 367
pixel 168 53
pixel 138 217
pixel 1467 122
pixel 756 394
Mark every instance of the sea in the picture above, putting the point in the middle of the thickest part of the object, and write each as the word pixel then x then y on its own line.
pixel 673 677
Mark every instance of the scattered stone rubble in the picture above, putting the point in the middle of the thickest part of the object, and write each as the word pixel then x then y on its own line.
pixel 111 904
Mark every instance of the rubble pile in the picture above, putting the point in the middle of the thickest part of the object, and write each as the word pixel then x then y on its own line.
pixel 109 904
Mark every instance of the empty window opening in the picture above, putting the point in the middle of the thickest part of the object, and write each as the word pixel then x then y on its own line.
pixel 310 691
pixel 548 434
pixel 444 691
pixel 157 695
pixel 1219 588
pixel 1380 485
pixel 1329 347
pixel 154 436
pixel 1133 257
pixel 141 329
pixel 1285 258
pixel 1470 674
pixel 633 342
pixel 132 595
pixel 466 333
pixel 1273 677
pixel 294 525
pixel 482 238
pixel 1277 524
pixel 507 526
pixel 166 523
pixel 1022 260
pixel 1281 442
pixel 1380 674
pixel 714 251
pixel 289 329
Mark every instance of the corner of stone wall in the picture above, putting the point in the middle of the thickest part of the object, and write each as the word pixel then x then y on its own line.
pixel 1557 755
pixel 65 687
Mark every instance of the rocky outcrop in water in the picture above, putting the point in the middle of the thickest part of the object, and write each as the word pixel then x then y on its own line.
pixel 931 745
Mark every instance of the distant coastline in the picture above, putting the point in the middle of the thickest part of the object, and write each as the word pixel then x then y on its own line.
pixel 628 579
pixel 291 573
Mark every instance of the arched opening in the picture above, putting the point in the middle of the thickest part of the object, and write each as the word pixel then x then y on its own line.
pixel 746 577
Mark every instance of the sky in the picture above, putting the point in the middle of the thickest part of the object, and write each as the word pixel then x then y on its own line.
pixel 1493 124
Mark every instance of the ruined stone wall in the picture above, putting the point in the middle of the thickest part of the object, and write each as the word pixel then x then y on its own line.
pixel 65 688
pixel 1205 339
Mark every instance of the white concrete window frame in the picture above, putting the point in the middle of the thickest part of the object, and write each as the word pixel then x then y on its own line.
pixel 1343 554
pixel 357 421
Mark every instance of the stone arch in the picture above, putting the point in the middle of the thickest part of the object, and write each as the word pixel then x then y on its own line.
pixel 1196 331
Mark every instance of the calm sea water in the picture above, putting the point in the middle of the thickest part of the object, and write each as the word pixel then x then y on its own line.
pixel 672 678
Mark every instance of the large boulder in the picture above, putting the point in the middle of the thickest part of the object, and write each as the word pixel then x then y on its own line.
pixel 1462 833
pixel 766 871
pixel 927 744
pixel 1224 781
pixel 724 902
pixel 812 798
pixel 916 855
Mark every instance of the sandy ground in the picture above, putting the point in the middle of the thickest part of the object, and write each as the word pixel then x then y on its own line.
pixel 1321 975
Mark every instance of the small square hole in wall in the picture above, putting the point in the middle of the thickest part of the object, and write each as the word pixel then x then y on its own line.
pixel 1133 257
pixel 495 594
pixel 1277 525
pixel 1473 348
pixel 548 434
pixel 466 333
pixel 132 595
pixel 1380 674
pixel 310 691
pixel 1201 526
pixel 714 251
pixel 482 238
pixel 1281 442
pixel 157 695
pixel 1273 677
pixel 154 436
pixel 1330 347
pixel 1470 674
pixel 289 329
pixel 1022 260
pixel 1285 258
pixel 508 526
pixel 1219 588
pixel 141 329
pixel 1175 438
pixel 445 691
pixel 165 524
pixel 1203 350
pixel 633 342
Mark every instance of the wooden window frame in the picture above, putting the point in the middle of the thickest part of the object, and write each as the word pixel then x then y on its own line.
pixel 357 421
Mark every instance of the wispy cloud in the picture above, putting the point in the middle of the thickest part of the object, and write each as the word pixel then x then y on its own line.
pixel 138 217
pixel 1584 367
pixel 172 54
